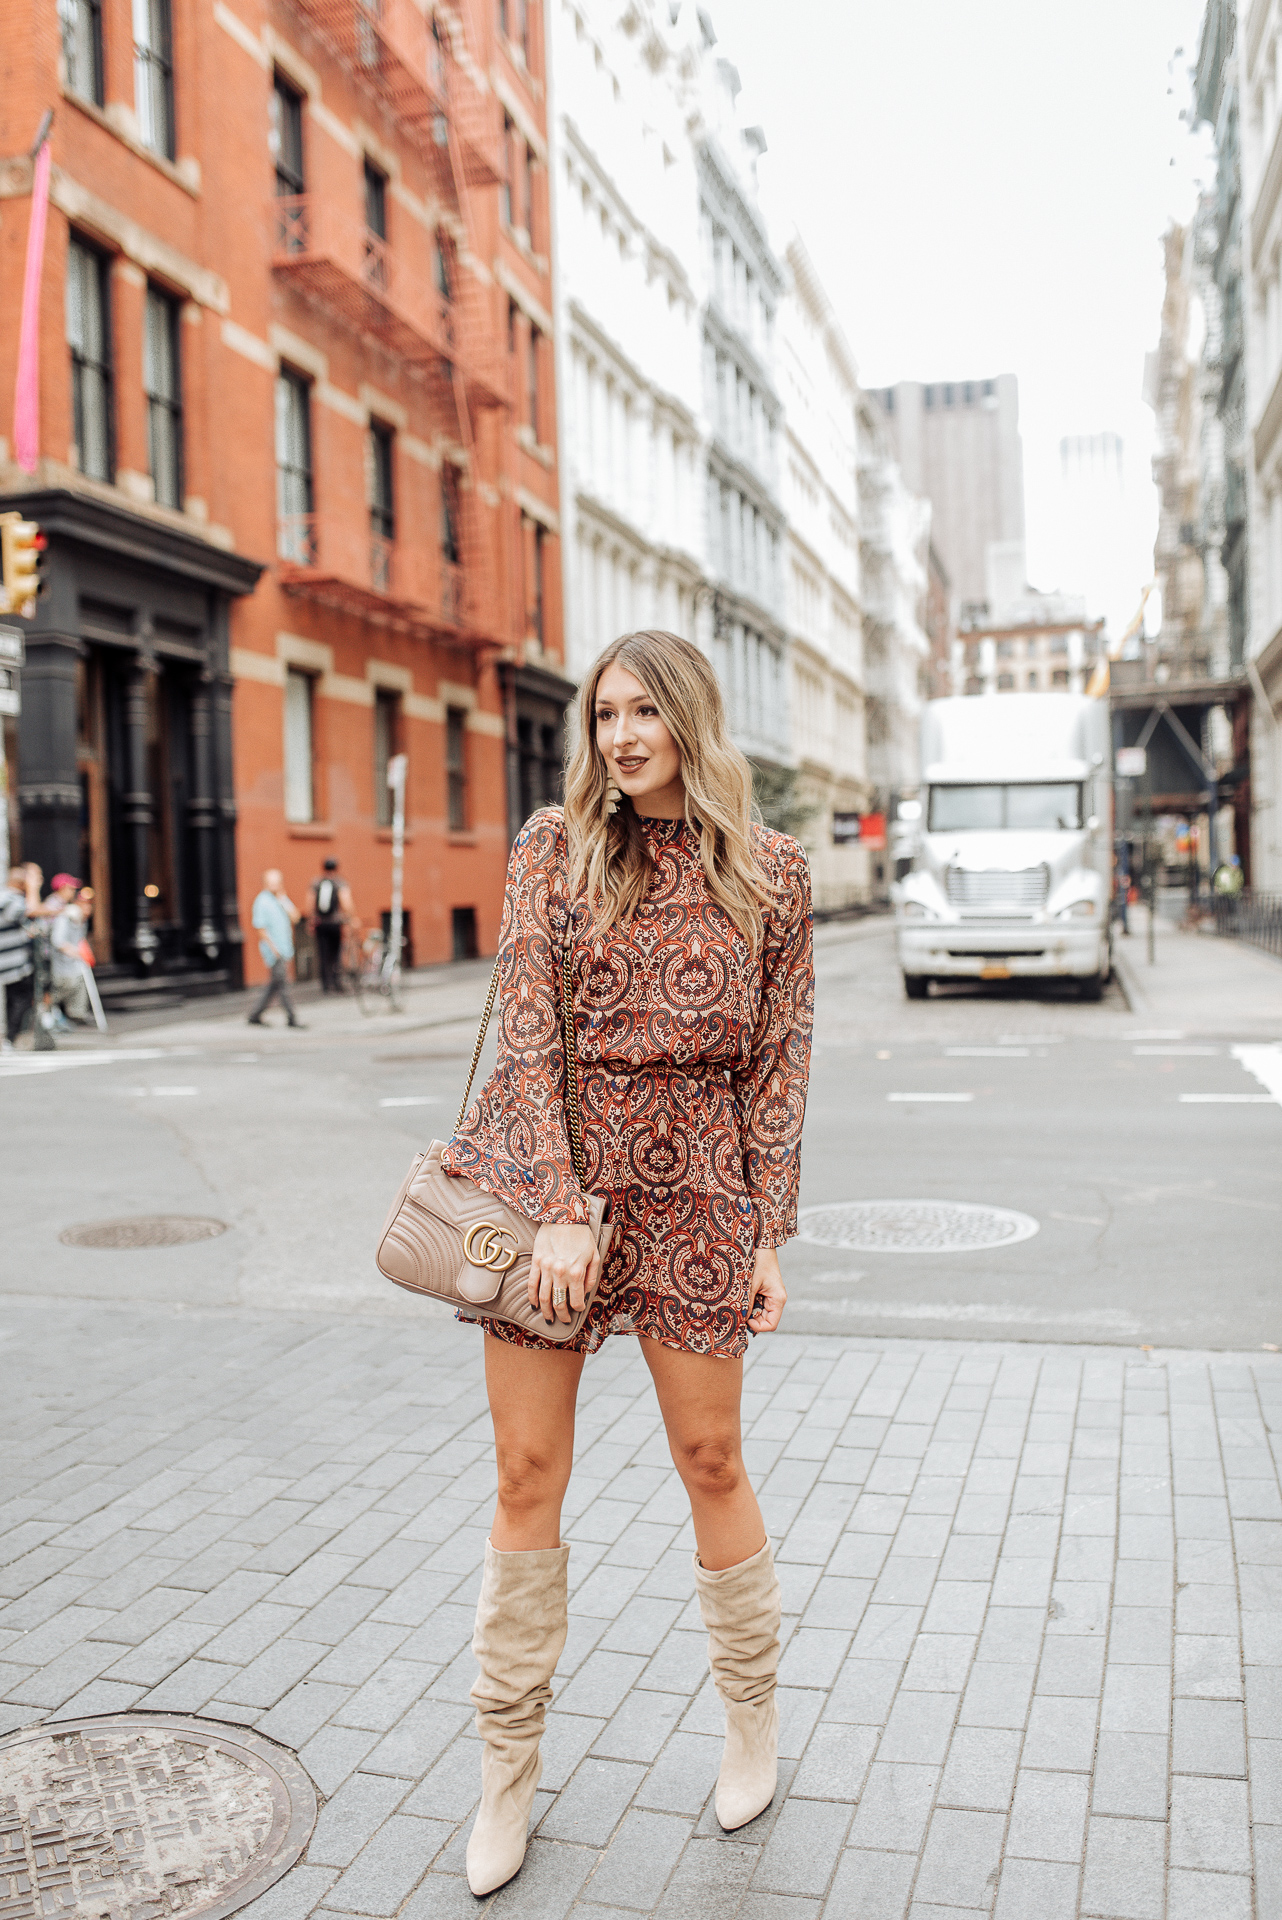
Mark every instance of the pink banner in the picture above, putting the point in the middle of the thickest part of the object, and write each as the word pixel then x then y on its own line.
pixel 26 394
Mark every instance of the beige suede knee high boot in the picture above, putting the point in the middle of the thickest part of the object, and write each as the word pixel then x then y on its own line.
pixel 740 1607
pixel 520 1632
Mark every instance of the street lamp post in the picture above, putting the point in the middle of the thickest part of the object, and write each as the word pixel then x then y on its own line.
pixel 396 770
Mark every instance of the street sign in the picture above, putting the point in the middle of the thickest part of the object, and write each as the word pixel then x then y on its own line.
pixel 1132 763
pixel 11 646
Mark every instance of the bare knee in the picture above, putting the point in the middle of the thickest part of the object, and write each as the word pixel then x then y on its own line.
pixel 529 1480
pixel 711 1469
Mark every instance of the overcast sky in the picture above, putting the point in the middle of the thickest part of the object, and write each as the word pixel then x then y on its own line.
pixel 982 185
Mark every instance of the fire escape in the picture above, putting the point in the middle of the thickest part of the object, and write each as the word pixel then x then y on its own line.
pixel 420 70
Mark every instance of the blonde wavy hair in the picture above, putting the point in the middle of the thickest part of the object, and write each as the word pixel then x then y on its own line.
pixel 609 860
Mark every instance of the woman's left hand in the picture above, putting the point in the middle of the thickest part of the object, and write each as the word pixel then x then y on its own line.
pixel 768 1289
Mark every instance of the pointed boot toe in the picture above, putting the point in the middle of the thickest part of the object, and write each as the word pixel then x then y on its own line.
pixel 500 1834
pixel 749 1763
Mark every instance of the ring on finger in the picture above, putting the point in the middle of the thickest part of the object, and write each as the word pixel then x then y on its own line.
pixel 558 1296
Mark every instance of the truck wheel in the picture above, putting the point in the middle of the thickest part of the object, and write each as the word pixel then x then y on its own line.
pixel 1093 988
pixel 916 985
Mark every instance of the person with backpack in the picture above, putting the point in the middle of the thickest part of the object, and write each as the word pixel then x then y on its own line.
pixel 329 910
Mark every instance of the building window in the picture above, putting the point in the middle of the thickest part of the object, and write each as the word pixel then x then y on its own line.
pixel 81 23
pixel 1005 682
pixel 89 337
pixel 505 186
pixel 1032 683
pixel 295 529
pixel 1060 677
pixel 442 273
pixel 382 514
pixel 299 781
pixel 1006 649
pixel 387 744
pixel 511 326
pixel 162 378
pixel 456 767
pixel 529 193
pixel 525 16
pixel 375 200
pixel 451 545
pixel 286 137
pixel 154 75
pixel 532 380
pixel 505 15
pixel 1059 643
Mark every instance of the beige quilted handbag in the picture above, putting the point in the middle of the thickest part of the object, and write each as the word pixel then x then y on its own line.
pixel 448 1238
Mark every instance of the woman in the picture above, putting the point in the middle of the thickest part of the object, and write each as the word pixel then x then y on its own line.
pixel 691 944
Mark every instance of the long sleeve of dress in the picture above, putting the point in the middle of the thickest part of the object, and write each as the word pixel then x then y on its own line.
pixel 514 1140
pixel 771 1089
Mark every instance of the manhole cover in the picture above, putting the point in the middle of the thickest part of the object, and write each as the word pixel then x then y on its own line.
pixel 914 1226
pixel 146 1230
pixel 139 1816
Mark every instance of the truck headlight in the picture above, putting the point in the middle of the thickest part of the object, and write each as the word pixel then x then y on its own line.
pixel 1080 910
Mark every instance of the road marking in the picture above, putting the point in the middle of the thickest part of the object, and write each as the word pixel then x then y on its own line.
pixel 1006 1314
pixel 1263 1064
pixel 1080 1219
pixel 414 1100
pixel 930 1096
pixel 986 1053
pixel 25 1063
pixel 1227 1100
pixel 1030 1040
pixel 1157 1033
pixel 1177 1053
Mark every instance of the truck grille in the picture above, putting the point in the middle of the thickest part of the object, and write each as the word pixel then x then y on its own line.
pixel 994 890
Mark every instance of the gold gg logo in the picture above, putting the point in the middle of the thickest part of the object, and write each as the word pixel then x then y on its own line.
pixel 489 1246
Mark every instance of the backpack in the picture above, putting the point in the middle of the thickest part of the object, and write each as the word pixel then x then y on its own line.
pixel 326 898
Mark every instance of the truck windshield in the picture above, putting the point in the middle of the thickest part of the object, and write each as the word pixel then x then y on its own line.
pixel 1029 806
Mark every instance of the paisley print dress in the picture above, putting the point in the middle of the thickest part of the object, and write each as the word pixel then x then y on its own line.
pixel 693 1062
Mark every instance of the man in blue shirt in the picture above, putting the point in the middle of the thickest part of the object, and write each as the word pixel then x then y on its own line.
pixel 275 916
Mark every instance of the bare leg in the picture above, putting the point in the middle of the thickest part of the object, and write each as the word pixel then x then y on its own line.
pixel 699 1398
pixel 532 1395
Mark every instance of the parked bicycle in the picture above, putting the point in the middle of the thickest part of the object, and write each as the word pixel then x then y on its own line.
pixel 379 974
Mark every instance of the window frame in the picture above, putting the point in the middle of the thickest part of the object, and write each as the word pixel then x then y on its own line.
pixel 382 469
pixel 299 680
pixel 533 381
pixel 70 12
pixel 158 403
pixel 375 198
pixel 388 715
pixel 82 363
pixel 506 208
pixel 456 793
pixel 150 58
pixel 286 113
pixel 299 384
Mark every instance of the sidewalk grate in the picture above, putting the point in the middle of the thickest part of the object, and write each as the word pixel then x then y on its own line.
pixel 143 1815
pixel 143 1230
pixel 914 1226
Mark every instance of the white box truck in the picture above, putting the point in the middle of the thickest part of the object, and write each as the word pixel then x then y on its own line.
pixel 1012 878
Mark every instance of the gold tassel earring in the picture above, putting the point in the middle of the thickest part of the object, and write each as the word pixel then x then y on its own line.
pixel 613 795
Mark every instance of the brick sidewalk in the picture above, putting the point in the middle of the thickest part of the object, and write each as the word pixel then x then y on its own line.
pixel 1029 1593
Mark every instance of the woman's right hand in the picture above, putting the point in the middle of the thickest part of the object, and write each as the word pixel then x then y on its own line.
pixel 566 1263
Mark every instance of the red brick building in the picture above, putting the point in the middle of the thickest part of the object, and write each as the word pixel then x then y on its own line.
pixel 298 457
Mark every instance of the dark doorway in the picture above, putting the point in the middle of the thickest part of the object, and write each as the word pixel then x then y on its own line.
pixel 463 921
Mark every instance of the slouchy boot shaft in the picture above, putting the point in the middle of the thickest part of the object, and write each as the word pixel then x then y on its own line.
pixel 518 1639
pixel 740 1607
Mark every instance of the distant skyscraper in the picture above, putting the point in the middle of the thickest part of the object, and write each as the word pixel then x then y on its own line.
pixel 958 443
pixel 1094 536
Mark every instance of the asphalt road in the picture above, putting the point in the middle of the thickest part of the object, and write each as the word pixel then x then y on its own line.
pixel 1158 1216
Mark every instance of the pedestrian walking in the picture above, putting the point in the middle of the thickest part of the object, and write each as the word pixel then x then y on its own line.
pixel 19 906
pixel 68 994
pixel 330 910
pixel 689 929
pixel 275 916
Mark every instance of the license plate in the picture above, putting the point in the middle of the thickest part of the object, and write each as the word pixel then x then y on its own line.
pixel 994 973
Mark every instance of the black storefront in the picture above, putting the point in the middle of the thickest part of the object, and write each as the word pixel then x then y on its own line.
pixel 125 741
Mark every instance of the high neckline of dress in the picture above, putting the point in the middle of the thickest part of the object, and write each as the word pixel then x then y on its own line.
pixel 663 830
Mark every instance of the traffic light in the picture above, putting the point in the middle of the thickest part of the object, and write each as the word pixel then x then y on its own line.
pixel 21 545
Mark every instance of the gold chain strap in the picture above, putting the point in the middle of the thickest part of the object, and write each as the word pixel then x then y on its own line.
pixel 570 1043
